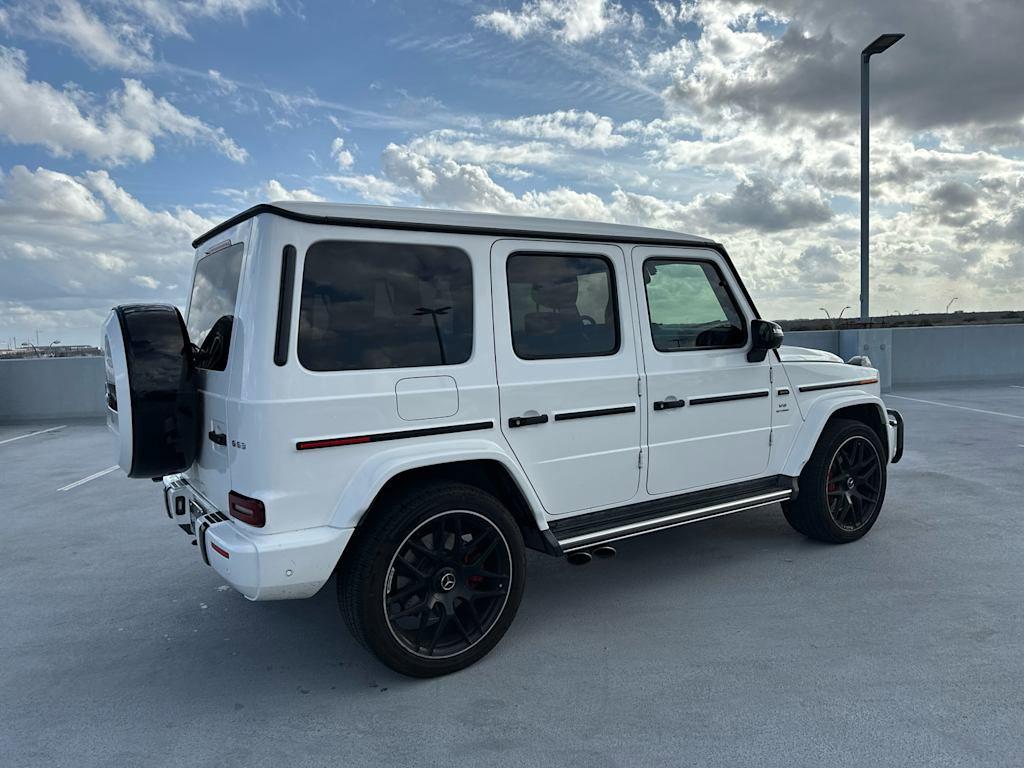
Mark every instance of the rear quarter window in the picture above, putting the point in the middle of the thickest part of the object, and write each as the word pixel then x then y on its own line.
pixel 211 308
pixel 384 305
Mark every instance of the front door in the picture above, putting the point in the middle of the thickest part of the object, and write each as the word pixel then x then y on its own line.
pixel 708 409
pixel 567 370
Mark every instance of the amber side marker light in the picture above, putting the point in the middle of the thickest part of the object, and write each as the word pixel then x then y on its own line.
pixel 249 511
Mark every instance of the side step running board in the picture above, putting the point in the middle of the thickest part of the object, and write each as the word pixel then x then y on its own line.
pixel 586 531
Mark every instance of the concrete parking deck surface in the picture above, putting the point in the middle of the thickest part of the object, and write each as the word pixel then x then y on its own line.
pixel 732 642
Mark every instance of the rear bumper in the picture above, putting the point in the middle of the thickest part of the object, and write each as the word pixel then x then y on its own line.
pixel 262 566
pixel 895 424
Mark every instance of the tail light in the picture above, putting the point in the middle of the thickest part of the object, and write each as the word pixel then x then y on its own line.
pixel 249 511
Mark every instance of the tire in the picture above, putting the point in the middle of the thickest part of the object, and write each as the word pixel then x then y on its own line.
pixel 151 394
pixel 424 599
pixel 836 505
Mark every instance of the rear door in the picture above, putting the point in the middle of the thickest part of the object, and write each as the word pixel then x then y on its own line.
pixel 567 370
pixel 211 327
pixel 708 409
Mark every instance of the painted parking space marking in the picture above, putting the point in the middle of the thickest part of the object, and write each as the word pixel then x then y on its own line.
pixel 32 434
pixel 85 480
pixel 960 407
pixel 1017 386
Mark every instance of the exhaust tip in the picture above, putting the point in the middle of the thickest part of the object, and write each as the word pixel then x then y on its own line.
pixel 578 558
pixel 604 552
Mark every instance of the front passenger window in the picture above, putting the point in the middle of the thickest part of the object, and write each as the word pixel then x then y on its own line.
pixel 562 306
pixel 690 307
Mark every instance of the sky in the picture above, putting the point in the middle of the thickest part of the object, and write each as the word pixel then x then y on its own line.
pixel 128 127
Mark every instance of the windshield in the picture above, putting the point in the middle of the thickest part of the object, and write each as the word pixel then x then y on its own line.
pixel 212 305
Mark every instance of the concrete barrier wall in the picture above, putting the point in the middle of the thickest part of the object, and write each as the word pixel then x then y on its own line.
pixel 826 340
pixel 940 355
pixel 36 389
pixel 958 353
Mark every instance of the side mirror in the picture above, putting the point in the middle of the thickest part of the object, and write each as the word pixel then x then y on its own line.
pixel 764 335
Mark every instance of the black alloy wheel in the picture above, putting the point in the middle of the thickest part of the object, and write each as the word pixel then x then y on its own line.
pixel 432 579
pixel 853 483
pixel 842 485
pixel 447 584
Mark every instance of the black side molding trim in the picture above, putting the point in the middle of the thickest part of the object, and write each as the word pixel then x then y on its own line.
pixel 526 421
pixel 837 385
pixel 728 398
pixel 284 305
pixel 377 437
pixel 595 412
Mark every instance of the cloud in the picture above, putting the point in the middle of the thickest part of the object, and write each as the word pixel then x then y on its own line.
pixel 670 61
pixel 125 128
pixel 45 194
pixel 954 202
pixel 369 188
pixel 341 155
pixel 765 205
pixel 483 149
pixel 580 130
pixel 123 46
pixel 953 69
pixel 274 190
pixel 141 111
pixel 572 21
pixel 118 34
pixel 73 246
pixel 819 264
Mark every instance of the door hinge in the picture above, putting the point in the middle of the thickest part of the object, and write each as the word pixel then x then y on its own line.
pixel 771 375
pixel 639 388
pixel 769 437
pixel 640 460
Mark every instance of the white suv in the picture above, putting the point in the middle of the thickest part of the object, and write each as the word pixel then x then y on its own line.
pixel 410 398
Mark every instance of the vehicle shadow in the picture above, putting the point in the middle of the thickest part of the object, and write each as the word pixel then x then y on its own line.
pixel 302 648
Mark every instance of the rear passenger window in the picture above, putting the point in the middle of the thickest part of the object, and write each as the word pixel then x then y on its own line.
pixel 690 306
pixel 384 305
pixel 562 306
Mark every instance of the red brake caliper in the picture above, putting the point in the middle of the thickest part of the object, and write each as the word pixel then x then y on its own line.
pixel 473 581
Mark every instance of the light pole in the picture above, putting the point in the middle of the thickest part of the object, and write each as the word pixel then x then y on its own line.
pixel 834 320
pixel 950 304
pixel 882 43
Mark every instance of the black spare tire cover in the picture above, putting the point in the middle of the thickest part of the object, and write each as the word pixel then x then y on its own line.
pixel 151 395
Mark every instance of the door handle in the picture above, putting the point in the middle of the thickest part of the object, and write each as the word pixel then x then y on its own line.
pixel 217 437
pixel 664 405
pixel 526 421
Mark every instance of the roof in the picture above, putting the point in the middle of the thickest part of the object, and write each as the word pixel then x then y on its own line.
pixel 386 217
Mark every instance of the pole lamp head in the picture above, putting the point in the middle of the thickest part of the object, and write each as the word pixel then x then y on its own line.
pixel 881 43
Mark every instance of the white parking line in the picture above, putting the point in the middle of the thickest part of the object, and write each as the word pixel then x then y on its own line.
pixel 961 407
pixel 31 434
pixel 1017 386
pixel 85 480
